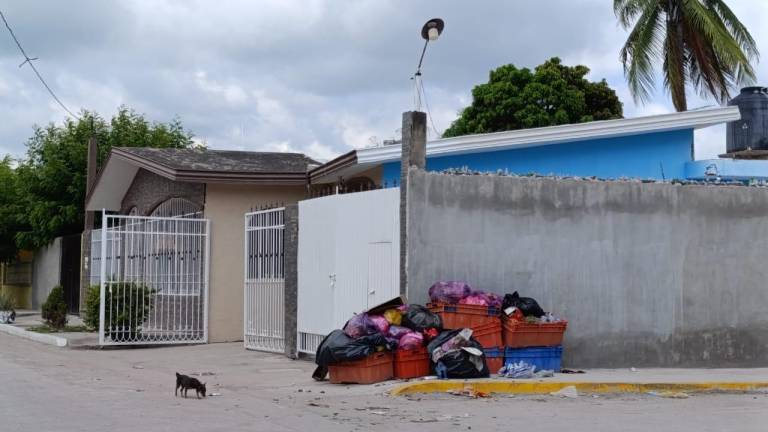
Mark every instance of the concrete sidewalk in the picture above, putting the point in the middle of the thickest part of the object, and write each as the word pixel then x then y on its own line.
pixel 33 318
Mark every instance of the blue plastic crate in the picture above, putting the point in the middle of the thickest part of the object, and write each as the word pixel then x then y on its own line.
pixel 494 352
pixel 544 358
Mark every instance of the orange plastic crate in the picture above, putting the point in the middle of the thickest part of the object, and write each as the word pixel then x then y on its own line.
pixel 375 368
pixel 488 335
pixel 494 364
pixel 412 363
pixel 517 334
pixel 456 316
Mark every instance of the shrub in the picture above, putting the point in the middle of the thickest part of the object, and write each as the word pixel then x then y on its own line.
pixel 91 315
pixel 6 302
pixel 126 307
pixel 55 309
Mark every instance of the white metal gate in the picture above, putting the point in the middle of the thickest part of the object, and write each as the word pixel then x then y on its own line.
pixel 154 280
pixel 264 323
pixel 349 249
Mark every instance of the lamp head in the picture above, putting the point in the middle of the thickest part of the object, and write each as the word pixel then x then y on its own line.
pixel 432 29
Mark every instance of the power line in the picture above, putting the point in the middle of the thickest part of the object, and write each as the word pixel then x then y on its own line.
pixel 28 60
pixel 419 84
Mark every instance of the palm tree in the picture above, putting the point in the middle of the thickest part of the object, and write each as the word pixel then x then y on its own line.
pixel 701 43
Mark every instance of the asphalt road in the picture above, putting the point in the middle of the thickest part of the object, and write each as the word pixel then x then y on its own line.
pixel 44 388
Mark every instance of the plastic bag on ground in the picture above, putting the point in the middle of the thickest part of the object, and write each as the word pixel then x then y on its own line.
pixel 360 325
pixel 418 318
pixel 381 323
pixel 411 341
pixel 527 305
pixel 450 292
pixel 458 363
pixel 519 370
pixel 393 316
pixel 396 331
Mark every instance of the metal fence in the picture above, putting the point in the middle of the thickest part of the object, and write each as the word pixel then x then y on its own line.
pixel 154 280
pixel 264 324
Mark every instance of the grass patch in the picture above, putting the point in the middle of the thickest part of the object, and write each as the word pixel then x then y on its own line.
pixel 66 329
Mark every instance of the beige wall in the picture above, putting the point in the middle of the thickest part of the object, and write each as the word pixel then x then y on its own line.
pixel 225 207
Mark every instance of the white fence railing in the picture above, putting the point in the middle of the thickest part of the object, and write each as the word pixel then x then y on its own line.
pixel 154 280
pixel 349 248
pixel 264 295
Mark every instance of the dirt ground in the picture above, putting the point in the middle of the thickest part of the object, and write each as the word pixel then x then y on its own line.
pixel 46 388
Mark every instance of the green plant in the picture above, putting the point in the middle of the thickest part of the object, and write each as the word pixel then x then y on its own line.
pixel 55 309
pixel 696 42
pixel 91 315
pixel 520 98
pixel 126 306
pixel 6 302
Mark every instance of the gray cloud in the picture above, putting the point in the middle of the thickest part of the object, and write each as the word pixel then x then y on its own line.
pixel 314 76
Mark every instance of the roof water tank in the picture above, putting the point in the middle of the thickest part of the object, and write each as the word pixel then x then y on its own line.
pixel 751 132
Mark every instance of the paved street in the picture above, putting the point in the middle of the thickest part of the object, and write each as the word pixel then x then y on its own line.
pixel 46 388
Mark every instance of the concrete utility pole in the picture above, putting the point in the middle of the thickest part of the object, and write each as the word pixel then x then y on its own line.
pixel 93 153
pixel 85 238
pixel 414 154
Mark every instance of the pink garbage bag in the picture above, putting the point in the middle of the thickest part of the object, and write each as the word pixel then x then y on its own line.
pixel 397 332
pixel 411 341
pixel 474 299
pixel 381 323
pixel 450 292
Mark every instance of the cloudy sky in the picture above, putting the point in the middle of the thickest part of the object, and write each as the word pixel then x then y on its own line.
pixel 319 77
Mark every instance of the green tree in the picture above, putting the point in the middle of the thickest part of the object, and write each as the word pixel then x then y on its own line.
pixel 552 94
pixel 11 210
pixel 51 180
pixel 700 43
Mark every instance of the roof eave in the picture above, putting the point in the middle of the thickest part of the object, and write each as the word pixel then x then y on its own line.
pixel 559 134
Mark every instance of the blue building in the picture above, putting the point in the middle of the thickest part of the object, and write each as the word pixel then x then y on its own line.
pixel 659 147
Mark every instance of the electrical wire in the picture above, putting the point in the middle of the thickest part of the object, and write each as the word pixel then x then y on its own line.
pixel 28 60
pixel 422 92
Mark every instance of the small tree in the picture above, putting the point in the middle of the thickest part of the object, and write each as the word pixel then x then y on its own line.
pixel 552 94
pixel 55 309
pixel 92 302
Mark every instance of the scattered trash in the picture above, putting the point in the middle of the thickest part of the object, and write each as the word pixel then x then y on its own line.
pixel 468 393
pixel 138 367
pixel 519 370
pixel 319 405
pixel 571 371
pixel 215 394
pixel 633 369
pixel 669 394
pixel 379 412
pixel 569 392
pixel 544 374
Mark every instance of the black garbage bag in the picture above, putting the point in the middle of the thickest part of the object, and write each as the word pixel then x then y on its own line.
pixel 527 305
pixel 418 318
pixel 338 347
pixel 458 364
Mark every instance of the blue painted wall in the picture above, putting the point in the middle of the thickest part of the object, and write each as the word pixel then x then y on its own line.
pixel 638 156
pixel 735 169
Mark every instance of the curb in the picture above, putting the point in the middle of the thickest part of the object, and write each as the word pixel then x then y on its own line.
pixel 37 337
pixel 541 387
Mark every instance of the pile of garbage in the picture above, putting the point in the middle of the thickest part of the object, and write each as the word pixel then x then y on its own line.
pixel 408 327
pixel 462 333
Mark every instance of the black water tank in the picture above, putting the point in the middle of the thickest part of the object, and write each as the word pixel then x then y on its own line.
pixel 751 132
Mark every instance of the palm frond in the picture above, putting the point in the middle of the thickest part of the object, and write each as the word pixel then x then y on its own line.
pixel 627 10
pixel 643 46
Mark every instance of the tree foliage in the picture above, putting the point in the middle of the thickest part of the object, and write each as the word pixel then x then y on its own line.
pixel 50 181
pixel 552 94
pixel 12 220
pixel 700 43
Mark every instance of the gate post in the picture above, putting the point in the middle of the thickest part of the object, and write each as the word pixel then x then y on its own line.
pixel 414 154
pixel 290 260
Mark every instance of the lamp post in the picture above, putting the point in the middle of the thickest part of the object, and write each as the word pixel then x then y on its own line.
pixel 414 150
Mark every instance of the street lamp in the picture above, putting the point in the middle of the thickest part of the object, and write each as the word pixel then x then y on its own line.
pixel 430 32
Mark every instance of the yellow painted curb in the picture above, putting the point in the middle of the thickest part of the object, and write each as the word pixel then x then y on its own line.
pixel 546 387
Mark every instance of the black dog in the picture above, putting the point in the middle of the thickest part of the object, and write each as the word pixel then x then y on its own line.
pixel 186 382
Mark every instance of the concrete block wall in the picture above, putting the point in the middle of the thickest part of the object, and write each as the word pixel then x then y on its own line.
pixel 647 274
